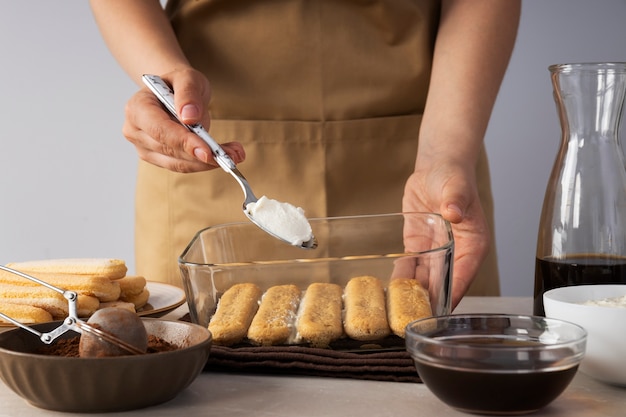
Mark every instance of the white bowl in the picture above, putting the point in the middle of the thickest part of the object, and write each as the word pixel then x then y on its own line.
pixel 606 327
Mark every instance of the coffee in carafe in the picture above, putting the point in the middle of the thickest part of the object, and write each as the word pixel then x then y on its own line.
pixel 582 229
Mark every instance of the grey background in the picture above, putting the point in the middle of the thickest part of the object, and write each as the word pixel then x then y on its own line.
pixel 67 175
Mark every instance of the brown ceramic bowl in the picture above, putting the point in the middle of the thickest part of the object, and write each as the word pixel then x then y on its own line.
pixel 103 384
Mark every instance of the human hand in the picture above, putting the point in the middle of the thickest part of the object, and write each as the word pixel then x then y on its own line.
pixel 450 189
pixel 163 141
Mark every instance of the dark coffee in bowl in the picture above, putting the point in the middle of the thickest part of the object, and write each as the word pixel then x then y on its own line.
pixel 470 387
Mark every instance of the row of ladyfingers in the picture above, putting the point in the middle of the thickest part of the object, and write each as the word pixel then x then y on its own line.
pixel 323 313
pixel 98 282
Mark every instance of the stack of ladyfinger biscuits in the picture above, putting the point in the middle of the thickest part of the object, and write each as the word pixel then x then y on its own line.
pixel 363 310
pixel 99 283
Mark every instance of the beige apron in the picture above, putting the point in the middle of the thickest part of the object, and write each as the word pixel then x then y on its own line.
pixel 326 97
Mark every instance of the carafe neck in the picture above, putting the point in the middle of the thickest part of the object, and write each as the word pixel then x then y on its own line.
pixel 589 99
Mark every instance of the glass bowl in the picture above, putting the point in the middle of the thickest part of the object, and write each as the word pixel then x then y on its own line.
pixel 495 364
pixel 409 245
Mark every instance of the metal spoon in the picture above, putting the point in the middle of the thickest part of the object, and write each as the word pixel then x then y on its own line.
pixel 165 94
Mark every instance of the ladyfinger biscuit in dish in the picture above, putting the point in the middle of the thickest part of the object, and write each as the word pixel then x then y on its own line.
pixel 25 314
pixel 273 323
pixel 319 317
pixel 103 267
pixel 407 301
pixel 100 287
pixel 235 311
pixel 365 312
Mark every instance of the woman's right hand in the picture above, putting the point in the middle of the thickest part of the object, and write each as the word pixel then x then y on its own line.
pixel 160 139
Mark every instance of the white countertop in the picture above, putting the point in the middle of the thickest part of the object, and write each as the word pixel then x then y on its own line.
pixel 226 395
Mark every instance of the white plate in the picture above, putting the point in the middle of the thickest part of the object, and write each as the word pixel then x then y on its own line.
pixel 163 299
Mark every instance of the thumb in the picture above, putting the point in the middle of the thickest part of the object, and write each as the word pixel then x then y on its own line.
pixel 190 96
pixel 454 201
pixel 452 213
pixel 190 114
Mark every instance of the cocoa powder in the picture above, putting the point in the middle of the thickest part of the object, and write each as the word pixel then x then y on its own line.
pixel 69 347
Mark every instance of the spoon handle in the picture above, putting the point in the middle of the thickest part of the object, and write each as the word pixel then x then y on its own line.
pixel 165 94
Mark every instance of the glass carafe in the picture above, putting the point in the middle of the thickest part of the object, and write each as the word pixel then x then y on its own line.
pixel 582 229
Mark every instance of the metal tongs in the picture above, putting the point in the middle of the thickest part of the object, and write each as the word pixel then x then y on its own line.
pixel 71 322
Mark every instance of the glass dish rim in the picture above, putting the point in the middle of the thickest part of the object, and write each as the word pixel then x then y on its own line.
pixel 443 248
pixel 615 66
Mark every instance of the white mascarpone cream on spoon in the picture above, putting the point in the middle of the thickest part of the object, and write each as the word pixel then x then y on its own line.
pixel 281 219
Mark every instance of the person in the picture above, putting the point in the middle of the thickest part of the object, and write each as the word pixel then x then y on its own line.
pixel 323 103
